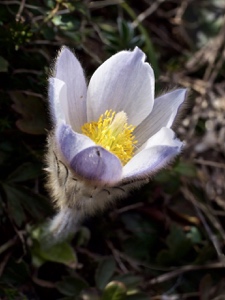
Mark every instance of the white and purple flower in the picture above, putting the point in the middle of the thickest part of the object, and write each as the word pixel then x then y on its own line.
pixel 112 132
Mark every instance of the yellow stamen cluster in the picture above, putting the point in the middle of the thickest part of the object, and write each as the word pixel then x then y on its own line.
pixel 112 132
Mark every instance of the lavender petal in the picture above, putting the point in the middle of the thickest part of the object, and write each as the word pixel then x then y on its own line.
pixel 97 165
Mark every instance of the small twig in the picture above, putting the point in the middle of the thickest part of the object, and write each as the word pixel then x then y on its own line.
pixel 217 66
pixel 90 53
pixel 211 235
pixel 88 253
pixel 134 263
pixel 173 288
pixel 147 12
pixel 10 2
pixel 8 244
pixel 18 15
pixel 42 52
pixel 103 3
pixel 4 262
pixel 209 163
pixel 206 211
pixel 117 257
pixel 40 9
pixel 45 42
pixel 180 12
pixel 19 233
pixel 43 283
pixel 218 44
pixel 129 207
pixel 52 13
pixel 19 71
pixel 185 269
pixel 176 296
pixel 99 33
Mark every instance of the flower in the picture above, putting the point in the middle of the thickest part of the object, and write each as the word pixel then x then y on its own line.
pixel 111 133
pixel 120 95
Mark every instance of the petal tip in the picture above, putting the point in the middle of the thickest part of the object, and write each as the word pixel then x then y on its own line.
pixel 64 51
pixel 183 92
pixel 139 54
pixel 65 59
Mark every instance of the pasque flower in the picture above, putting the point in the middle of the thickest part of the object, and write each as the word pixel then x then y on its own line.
pixel 108 136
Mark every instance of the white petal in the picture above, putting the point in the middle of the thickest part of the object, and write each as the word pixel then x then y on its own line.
pixel 148 162
pixel 163 114
pixel 57 95
pixel 69 70
pixel 124 82
pixel 164 137
pixel 153 157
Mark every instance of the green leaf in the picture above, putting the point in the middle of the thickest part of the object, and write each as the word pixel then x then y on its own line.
pixel 205 254
pixel 60 253
pixel 33 111
pixel 71 286
pixel 43 251
pixel 169 180
pixel 178 247
pixel 48 33
pixel 185 169
pixel 164 257
pixel 15 273
pixel 15 207
pixel 3 64
pixel 178 243
pixel 194 235
pixel 114 291
pixel 21 199
pixel 83 236
pixel 131 281
pixel 26 171
pixel 142 242
pixel 104 272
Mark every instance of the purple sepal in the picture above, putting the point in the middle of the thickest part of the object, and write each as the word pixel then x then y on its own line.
pixel 70 142
pixel 97 165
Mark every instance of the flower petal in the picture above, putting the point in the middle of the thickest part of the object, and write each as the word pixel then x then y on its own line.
pixel 70 143
pixel 148 162
pixel 163 114
pixel 97 165
pixel 69 70
pixel 124 82
pixel 57 94
pixel 164 137
pixel 156 154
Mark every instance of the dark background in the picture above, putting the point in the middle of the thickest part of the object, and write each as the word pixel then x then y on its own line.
pixel 166 241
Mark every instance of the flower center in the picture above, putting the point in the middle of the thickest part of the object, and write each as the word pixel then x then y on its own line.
pixel 112 132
